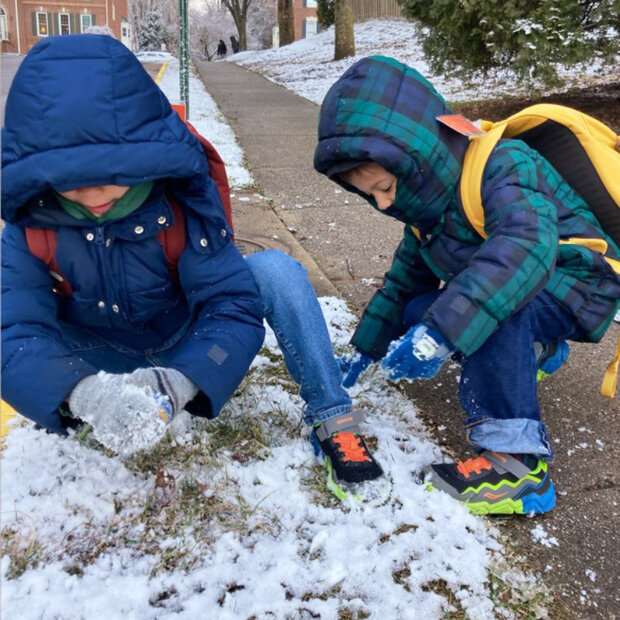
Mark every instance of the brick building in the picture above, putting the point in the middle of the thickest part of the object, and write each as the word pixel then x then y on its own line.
pixel 306 23
pixel 25 22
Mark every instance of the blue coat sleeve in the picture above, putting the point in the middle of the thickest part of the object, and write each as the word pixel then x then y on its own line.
pixel 228 322
pixel 38 370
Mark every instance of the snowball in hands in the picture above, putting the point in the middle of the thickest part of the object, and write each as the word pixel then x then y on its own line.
pixel 128 413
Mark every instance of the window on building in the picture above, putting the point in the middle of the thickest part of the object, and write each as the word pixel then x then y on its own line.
pixel 42 25
pixel 64 23
pixel 311 4
pixel 86 21
pixel 310 27
pixel 4 33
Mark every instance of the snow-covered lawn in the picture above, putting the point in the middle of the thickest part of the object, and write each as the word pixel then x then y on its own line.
pixel 231 518
pixel 307 66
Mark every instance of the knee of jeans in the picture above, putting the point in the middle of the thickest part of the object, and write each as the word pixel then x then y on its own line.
pixel 275 271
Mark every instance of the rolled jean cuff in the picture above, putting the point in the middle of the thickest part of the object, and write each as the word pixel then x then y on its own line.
pixel 515 436
pixel 316 418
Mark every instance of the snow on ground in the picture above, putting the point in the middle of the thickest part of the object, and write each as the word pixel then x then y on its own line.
pixel 206 117
pixel 307 66
pixel 282 548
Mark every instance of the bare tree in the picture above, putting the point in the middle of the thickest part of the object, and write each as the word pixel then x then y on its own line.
pixel 345 35
pixel 261 20
pixel 239 11
pixel 286 24
pixel 208 23
pixel 155 22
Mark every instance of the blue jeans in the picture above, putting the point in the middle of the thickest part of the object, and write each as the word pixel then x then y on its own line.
pixel 498 388
pixel 291 310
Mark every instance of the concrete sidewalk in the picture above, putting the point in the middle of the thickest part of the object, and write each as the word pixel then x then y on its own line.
pixel 347 247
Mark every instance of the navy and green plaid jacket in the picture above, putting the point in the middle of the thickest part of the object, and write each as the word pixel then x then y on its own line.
pixel 385 112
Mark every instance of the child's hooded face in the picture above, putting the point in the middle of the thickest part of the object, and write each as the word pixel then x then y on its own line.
pixel 98 200
pixel 373 180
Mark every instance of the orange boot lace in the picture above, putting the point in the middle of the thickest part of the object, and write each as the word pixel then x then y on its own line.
pixel 473 466
pixel 351 448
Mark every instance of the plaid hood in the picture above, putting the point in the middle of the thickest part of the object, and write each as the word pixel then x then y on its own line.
pixel 383 111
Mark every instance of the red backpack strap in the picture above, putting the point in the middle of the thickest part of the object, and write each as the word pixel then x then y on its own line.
pixel 42 244
pixel 217 171
pixel 172 239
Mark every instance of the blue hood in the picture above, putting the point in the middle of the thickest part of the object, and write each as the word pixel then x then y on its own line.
pixel 81 112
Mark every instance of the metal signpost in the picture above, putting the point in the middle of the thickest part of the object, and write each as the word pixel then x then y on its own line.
pixel 183 57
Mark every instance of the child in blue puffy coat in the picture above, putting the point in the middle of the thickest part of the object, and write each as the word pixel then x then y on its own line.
pixel 92 151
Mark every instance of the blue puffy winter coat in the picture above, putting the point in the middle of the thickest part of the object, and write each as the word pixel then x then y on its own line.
pixel 83 112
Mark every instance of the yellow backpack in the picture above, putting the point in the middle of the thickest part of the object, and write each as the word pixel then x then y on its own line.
pixel 583 150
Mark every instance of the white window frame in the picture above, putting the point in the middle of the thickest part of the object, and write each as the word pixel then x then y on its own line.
pixel 47 24
pixel 4 32
pixel 60 16
pixel 311 4
pixel 84 26
pixel 312 21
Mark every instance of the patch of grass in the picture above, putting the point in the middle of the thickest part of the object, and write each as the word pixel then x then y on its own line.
pixel 514 591
pixel 24 551
pixel 315 484
pixel 454 611
pixel 513 586
pixel 405 527
pixel 206 510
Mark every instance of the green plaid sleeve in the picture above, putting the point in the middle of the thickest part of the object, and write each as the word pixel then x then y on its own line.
pixel 516 260
pixel 408 277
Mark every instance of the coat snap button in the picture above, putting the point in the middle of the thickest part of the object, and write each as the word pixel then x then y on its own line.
pixel 161 219
pixel 223 232
pixel 115 308
pixel 41 203
pixel 101 304
pixel 204 243
pixel 108 242
pixel 138 230
pixel 90 236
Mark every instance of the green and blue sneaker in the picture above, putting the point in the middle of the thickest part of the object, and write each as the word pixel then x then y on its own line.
pixel 496 483
pixel 550 357
pixel 340 446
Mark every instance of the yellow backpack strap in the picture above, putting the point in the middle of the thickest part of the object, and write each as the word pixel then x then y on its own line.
pixel 416 232
pixel 476 157
pixel 611 375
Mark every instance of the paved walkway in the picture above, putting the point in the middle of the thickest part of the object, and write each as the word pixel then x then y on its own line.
pixel 352 247
pixel 350 243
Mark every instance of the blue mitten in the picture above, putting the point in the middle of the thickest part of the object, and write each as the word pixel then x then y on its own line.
pixel 419 354
pixel 352 367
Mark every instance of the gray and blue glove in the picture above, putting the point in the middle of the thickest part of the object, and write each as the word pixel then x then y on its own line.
pixel 131 412
pixel 353 366
pixel 419 354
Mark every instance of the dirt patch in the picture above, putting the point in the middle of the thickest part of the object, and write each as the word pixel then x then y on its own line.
pixel 601 101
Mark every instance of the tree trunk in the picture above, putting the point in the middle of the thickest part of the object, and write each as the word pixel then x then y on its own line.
pixel 345 35
pixel 286 23
pixel 243 38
